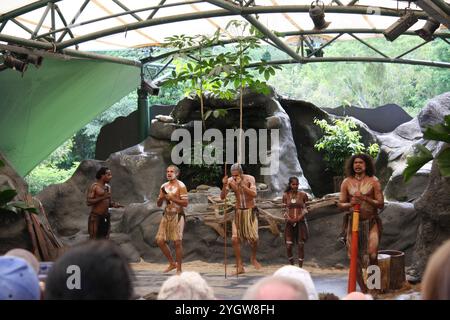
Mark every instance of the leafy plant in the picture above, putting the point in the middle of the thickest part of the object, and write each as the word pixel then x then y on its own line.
pixel 340 141
pixel 196 67
pixel 7 203
pixel 47 174
pixel 438 132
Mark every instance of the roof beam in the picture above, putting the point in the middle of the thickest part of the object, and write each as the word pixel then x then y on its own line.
pixel 358 59
pixel 30 7
pixel 68 52
pixel 156 10
pixel 121 14
pixel 442 35
pixel 436 9
pixel 41 21
pixel 85 3
pixel 258 25
pixel 222 13
pixel 124 7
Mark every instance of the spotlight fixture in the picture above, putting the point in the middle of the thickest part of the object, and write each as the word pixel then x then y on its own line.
pixel 426 33
pixel 149 87
pixel 317 14
pixel 400 26
pixel 34 59
pixel 15 63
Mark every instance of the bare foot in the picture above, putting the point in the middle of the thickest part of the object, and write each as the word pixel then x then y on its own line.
pixel 239 270
pixel 178 272
pixel 170 267
pixel 256 264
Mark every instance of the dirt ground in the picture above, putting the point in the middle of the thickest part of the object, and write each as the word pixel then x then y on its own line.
pixel 150 277
pixel 219 268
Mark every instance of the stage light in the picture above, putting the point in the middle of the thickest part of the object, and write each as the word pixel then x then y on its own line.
pixel 150 87
pixel 34 59
pixel 400 26
pixel 426 33
pixel 317 14
pixel 15 64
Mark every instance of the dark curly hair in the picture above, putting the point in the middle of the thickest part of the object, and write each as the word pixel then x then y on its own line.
pixel 370 166
pixel 288 188
pixel 101 172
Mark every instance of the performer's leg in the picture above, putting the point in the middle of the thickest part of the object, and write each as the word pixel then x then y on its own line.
pixel 166 251
pixel 359 274
pixel 179 244
pixel 237 249
pixel 301 253
pixel 343 235
pixel 254 246
pixel 178 254
pixel 92 226
pixel 373 245
pixel 288 238
pixel 289 252
pixel 359 278
pixel 302 237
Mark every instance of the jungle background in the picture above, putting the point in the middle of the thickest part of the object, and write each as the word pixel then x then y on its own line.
pixel 365 85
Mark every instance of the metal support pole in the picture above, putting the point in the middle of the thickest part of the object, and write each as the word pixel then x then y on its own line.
pixel 143 112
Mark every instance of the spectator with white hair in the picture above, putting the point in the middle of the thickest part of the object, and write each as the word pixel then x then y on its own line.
pixel 276 288
pixel 300 275
pixel 188 285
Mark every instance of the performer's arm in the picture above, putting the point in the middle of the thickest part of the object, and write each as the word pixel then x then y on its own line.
pixel 304 210
pixel 182 200
pixel 378 202
pixel 285 208
pixel 344 203
pixel 249 190
pixel 91 200
pixel 161 198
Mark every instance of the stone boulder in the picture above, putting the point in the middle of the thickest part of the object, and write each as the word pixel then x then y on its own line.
pixel 306 134
pixel 433 208
pixel 138 173
pixel 396 146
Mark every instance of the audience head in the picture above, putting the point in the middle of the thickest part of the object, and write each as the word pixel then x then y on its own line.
pixel 357 296
pixel 18 280
pixel 300 275
pixel 96 270
pixel 188 285
pixel 436 279
pixel 328 296
pixel 276 288
pixel 25 255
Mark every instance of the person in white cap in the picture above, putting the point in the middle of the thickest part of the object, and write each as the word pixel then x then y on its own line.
pixel 18 280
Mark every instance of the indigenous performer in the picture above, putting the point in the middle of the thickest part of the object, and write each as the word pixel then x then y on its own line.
pixel 245 222
pixel 294 211
pixel 171 227
pixel 99 197
pixel 362 187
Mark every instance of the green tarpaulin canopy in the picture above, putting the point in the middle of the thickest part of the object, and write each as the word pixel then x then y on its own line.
pixel 48 105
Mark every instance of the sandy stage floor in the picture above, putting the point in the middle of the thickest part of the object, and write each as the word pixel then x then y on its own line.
pixel 149 277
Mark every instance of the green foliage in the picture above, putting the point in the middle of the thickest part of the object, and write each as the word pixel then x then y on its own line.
pixel 340 141
pixel 438 132
pixel 47 174
pixel 7 203
pixel 367 85
pixel 197 173
pixel 205 173
pixel 224 73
